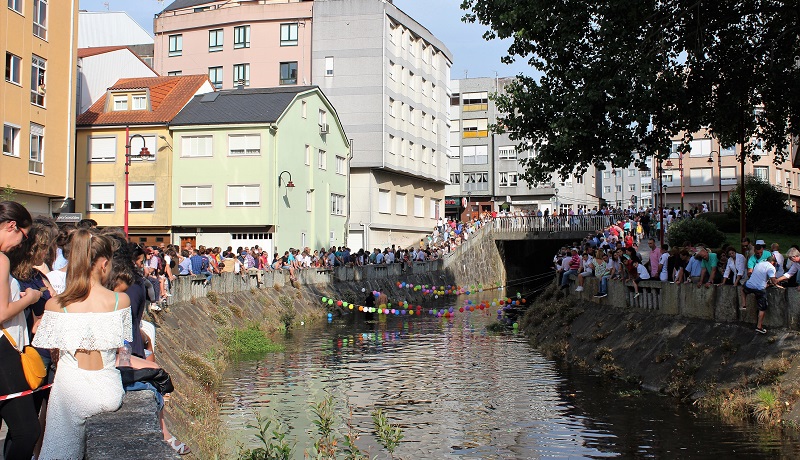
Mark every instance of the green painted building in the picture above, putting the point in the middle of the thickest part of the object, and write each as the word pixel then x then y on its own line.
pixel 261 166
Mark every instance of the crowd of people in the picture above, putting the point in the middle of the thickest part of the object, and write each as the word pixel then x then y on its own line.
pixel 613 255
pixel 77 296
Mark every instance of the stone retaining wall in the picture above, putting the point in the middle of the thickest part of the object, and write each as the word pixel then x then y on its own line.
pixel 715 303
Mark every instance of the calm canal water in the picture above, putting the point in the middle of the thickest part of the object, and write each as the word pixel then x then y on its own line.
pixel 461 392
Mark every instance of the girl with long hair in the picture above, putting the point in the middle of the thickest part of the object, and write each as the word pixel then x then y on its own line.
pixel 19 414
pixel 85 326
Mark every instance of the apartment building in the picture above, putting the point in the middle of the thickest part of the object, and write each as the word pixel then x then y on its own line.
pixel 114 28
pixel 248 43
pixel 706 174
pixel 386 75
pixel 36 103
pixel 101 66
pixel 388 78
pixel 136 112
pixel 260 166
pixel 485 167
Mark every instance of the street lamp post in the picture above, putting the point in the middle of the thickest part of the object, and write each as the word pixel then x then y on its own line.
pixel 144 153
pixel 789 194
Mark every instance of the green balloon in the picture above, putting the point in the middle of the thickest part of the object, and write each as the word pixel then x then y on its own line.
pixel 515 325
pixel 330 301
pixel 324 299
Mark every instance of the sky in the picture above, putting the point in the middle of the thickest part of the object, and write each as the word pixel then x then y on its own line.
pixel 473 56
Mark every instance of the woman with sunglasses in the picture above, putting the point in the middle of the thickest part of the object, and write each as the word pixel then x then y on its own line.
pixel 19 414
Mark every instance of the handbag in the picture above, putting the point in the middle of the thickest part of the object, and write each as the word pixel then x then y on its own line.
pixel 32 364
pixel 159 378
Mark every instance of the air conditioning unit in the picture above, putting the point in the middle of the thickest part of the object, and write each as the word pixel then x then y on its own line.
pixel 323 128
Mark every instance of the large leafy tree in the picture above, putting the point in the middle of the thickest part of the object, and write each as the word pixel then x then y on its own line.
pixel 619 78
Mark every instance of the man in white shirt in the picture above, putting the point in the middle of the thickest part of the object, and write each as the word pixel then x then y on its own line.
pixel 763 273
pixel 736 267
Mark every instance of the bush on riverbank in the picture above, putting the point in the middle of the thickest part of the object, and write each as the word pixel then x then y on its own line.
pixel 695 231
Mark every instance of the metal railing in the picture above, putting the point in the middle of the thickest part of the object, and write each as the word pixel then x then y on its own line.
pixel 583 223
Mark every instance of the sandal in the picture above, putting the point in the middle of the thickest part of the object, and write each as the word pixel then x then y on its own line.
pixel 179 447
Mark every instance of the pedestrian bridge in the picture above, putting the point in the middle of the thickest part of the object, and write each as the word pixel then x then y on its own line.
pixel 573 228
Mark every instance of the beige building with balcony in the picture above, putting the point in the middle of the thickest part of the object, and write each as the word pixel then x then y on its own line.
pixel 37 101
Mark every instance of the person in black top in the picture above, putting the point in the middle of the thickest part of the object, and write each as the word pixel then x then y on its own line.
pixel 369 303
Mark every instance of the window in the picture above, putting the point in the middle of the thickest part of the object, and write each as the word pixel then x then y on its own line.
pixel 475 154
pixel 475 128
pixel 391 145
pixel 142 197
pixel 15 5
pixel 11 140
pixel 139 101
pixel 323 117
pixel 175 45
pixel 244 145
pixel 40 18
pixel 196 196
pixel 433 157
pixel 475 101
pixel 13 64
pixel 607 189
pixel 508 152
pixel 341 165
pixel 196 146
pixel 728 175
pixel 392 73
pixel 391 107
pixel 102 149
pixel 322 159
pixel 476 181
pixel 121 102
pixel 411 151
pixel 455 178
pixel 578 179
pixel 700 148
pixel 412 81
pixel 100 198
pixel 38 68
pixel 215 75
pixel 761 172
pixel 631 187
pixel 424 87
pixel 304 109
pixel 288 73
pixel 647 187
pixel 434 206
pixel 289 34
pixel 434 125
pixel 174 73
pixel 424 156
pixel 215 38
pixel 728 151
pixel 241 74
pixel 337 204
pixel 700 176
pixel 433 92
pixel 631 172
pixel 383 201
pixel 419 206
pixel 308 155
pixel 36 162
pixel 309 201
pixel 412 115
pixel 241 37
pixel 329 66
pixel 507 179
pixel 401 204
pixel 244 195
pixel 455 99
pixel 606 174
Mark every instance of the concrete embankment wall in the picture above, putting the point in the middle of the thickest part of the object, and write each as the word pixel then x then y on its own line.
pixel 479 260
pixel 683 340
pixel 188 341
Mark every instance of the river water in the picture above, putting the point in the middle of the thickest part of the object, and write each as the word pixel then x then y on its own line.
pixel 460 392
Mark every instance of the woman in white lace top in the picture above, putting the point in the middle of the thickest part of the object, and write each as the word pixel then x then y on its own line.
pixel 85 325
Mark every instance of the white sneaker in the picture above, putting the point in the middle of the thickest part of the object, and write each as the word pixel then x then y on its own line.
pixel 169 295
pixel 154 307
pixel 579 289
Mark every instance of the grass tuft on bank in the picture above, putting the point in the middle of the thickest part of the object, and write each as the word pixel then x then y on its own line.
pixel 248 341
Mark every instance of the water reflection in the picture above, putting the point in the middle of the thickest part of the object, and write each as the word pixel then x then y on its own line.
pixel 460 392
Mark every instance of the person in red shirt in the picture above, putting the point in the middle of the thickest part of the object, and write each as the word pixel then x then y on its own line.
pixel 574 266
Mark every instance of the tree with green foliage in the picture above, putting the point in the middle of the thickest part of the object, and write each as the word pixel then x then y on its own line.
pixel 762 200
pixel 620 78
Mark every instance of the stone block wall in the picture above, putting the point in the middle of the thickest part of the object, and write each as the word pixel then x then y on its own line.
pixel 477 261
pixel 715 303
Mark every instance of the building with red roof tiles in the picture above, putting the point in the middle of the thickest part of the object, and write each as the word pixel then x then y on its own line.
pixel 135 112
